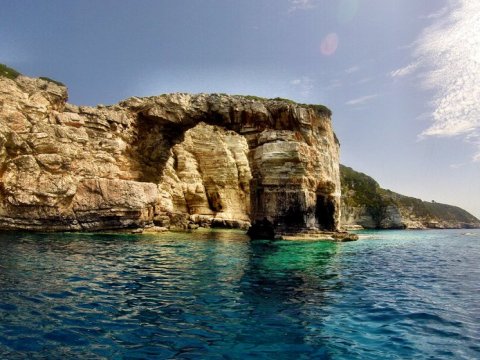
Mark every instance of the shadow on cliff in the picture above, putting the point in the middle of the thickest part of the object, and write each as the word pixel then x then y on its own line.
pixel 151 149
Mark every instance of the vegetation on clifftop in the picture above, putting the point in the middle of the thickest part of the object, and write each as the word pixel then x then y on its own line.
pixel 319 109
pixel 52 81
pixel 432 209
pixel 8 72
pixel 360 190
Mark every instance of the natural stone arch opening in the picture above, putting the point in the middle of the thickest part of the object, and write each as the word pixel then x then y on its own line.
pixel 289 151
pixel 210 167
pixel 168 151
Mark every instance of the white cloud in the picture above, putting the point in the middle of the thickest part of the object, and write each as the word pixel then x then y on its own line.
pixel 361 100
pixel 303 85
pixel 449 52
pixel 302 5
pixel 436 14
pixel 407 70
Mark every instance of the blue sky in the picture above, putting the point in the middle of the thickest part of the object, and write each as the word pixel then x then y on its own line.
pixel 401 76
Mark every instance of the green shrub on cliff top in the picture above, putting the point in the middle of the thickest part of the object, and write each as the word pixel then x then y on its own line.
pixel 432 210
pixel 8 72
pixel 362 188
pixel 359 189
pixel 319 109
pixel 52 81
pixel 254 98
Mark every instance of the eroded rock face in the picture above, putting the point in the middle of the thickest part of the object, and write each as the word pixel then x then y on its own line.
pixel 175 160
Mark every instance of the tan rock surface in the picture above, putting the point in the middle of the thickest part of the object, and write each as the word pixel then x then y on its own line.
pixel 176 160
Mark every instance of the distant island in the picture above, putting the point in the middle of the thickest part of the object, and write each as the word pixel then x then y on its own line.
pixel 183 161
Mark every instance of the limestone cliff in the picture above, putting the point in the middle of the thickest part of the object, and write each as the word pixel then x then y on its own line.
pixel 366 205
pixel 174 161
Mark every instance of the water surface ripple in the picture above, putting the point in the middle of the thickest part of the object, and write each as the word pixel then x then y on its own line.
pixel 218 295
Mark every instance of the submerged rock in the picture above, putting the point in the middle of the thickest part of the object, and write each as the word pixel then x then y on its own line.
pixel 169 161
pixel 339 236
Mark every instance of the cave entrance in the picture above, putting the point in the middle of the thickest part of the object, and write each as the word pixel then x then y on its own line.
pixel 325 212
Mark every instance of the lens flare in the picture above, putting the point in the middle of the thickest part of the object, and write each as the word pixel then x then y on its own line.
pixel 329 44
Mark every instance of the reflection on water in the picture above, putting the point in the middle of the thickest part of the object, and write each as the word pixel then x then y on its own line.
pixel 217 294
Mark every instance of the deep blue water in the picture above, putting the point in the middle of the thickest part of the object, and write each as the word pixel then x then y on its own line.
pixel 218 295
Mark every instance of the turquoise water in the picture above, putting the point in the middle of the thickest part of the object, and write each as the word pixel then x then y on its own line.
pixel 218 295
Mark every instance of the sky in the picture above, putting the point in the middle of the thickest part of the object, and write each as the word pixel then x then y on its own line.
pixel 402 77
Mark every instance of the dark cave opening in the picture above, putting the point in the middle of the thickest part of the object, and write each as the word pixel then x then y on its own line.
pixel 325 212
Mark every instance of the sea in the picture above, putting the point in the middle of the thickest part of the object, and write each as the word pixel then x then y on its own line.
pixel 219 295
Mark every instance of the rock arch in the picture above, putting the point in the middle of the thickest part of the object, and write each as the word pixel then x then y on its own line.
pixel 67 167
pixel 292 154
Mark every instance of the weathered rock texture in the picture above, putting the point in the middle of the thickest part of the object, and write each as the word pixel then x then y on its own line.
pixel 366 205
pixel 175 160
